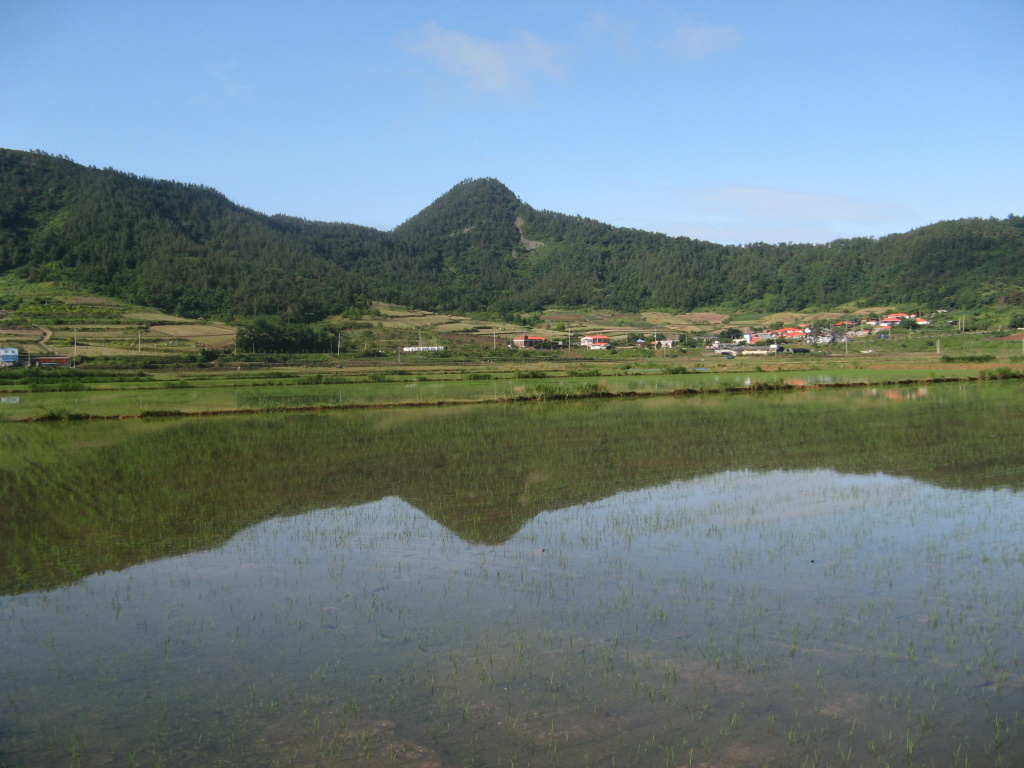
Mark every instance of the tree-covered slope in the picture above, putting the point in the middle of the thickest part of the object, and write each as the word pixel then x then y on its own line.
pixel 967 262
pixel 188 249
pixel 180 247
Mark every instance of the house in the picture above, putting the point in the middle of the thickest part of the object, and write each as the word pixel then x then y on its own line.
pixel 596 341
pixel 8 357
pixel 898 317
pixel 527 342
pixel 51 361
pixel 790 333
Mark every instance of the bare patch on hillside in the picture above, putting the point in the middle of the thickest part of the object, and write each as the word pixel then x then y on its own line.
pixel 530 245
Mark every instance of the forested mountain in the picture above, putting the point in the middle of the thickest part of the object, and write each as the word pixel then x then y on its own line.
pixel 189 250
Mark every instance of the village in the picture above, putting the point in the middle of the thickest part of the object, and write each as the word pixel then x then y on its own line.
pixel 440 336
pixel 745 342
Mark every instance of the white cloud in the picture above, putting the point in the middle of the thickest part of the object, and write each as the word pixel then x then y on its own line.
pixel 698 41
pixel 486 66
pixel 752 214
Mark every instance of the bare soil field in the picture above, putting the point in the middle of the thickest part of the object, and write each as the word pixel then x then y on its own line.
pixel 792 318
pixel 31 334
pixel 94 301
pixel 689 321
pixel 559 317
pixel 211 335
pixel 155 316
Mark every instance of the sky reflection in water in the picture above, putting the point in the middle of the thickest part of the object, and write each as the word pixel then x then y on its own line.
pixel 739 618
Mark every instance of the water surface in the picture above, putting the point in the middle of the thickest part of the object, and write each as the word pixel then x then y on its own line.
pixel 736 581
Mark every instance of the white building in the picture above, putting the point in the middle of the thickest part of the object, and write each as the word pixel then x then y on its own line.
pixel 596 342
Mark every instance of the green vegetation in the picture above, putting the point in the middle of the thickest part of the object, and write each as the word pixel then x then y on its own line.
pixel 477 249
pixel 968 358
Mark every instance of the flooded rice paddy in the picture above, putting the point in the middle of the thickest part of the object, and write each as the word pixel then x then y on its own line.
pixel 823 579
pixel 292 391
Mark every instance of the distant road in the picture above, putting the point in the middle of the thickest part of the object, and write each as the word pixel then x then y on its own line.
pixel 47 333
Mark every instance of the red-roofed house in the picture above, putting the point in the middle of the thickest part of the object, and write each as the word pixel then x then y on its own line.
pixel 792 333
pixel 525 341
pixel 596 342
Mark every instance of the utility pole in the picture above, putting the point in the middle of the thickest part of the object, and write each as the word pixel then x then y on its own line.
pixel 74 363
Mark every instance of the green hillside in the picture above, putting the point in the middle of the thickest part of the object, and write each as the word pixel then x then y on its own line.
pixel 189 250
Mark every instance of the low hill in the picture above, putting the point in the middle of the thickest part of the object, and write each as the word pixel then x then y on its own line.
pixel 189 250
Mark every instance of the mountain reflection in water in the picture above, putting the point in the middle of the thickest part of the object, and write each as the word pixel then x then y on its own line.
pixel 741 617
pixel 81 498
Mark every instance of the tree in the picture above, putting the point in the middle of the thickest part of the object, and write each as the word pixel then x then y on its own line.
pixel 272 334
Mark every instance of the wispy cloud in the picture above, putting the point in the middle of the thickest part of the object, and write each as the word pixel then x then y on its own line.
pixel 617 31
pixel 698 41
pixel 486 66
pixel 223 85
pixel 751 214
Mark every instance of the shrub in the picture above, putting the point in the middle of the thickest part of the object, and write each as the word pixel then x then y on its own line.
pixel 1001 373
pixel 968 358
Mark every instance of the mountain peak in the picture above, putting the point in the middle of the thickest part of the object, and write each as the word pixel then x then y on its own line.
pixel 469 203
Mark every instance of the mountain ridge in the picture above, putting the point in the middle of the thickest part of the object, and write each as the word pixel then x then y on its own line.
pixel 478 247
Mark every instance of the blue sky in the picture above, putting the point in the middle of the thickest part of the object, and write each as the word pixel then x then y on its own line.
pixel 732 121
